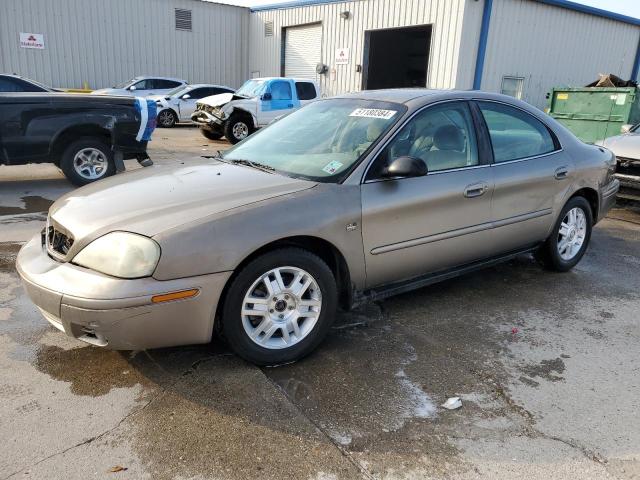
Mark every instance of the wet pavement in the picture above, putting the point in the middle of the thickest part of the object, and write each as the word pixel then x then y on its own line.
pixel 546 366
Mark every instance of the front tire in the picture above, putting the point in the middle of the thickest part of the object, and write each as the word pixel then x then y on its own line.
pixel 167 118
pixel 570 236
pixel 279 307
pixel 237 128
pixel 87 160
pixel 210 134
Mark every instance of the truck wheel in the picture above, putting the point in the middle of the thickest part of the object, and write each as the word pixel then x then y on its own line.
pixel 279 307
pixel 86 160
pixel 570 237
pixel 167 118
pixel 210 134
pixel 237 128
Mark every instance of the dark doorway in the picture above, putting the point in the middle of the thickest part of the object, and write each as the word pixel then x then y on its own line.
pixel 396 57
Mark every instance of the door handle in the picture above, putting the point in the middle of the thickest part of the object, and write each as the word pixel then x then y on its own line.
pixel 561 173
pixel 475 190
pixel 290 105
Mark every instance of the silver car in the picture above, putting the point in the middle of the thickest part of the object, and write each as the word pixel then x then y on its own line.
pixel 626 147
pixel 348 199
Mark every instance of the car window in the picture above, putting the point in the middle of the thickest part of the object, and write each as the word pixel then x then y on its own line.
pixel 305 90
pixel 144 84
pixel 8 85
pixel 514 133
pixel 198 93
pixel 219 90
pixel 159 83
pixel 281 91
pixel 442 136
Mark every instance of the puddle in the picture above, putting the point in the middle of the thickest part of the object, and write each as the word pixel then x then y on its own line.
pixel 90 371
pixel 32 204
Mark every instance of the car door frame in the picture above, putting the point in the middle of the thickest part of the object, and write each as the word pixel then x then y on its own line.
pixel 485 156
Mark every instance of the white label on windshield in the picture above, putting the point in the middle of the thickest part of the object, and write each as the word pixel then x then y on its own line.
pixel 332 167
pixel 373 113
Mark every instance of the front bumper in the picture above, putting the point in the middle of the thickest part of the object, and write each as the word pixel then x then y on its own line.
pixel 608 198
pixel 118 313
pixel 206 119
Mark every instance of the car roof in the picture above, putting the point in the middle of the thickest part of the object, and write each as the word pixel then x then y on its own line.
pixel 144 77
pixel 200 85
pixel 295 79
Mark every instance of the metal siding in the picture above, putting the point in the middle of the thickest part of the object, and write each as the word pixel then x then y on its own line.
pixel 551 46
pixel 105 42
pixel 444 15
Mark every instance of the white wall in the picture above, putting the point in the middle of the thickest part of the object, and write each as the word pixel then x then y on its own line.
pixel 445 15
pixel 551 46
pixel 104 42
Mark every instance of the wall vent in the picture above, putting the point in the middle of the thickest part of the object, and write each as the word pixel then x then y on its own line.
pixel 183 19
pixel 268 29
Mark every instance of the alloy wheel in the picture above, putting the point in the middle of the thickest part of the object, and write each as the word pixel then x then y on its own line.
pixel 572 233
pixel 90 163
pixel 281 307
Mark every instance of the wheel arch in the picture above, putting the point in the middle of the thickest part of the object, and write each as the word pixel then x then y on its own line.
pixel 68 135
pixel 591 196
pixel 324 249
pixel 244 113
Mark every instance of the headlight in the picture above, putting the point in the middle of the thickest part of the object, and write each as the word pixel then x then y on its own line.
pixel 120 254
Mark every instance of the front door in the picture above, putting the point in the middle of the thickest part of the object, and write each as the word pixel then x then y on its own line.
pixel 532 174
pixel 281 102
pixel 414 226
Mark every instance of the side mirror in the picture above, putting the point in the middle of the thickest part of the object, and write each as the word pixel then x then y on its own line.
pixel 266 96
pixel 132 88
pixel 405 167
pixel 186 96
pixel 626 128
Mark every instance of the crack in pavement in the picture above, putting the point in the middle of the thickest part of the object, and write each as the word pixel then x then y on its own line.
pixel 91 439
pixel 344 452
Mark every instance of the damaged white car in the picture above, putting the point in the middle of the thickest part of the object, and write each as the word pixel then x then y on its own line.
pixel 256 104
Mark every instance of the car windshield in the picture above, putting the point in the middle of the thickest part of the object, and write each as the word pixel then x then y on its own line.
pixel 322 141
pixel 178 90
pixel 251 88
pixel 127 83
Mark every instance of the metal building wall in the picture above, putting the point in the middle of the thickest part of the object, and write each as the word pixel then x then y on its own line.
pixel 446 16
pixel 549 46
pixel 104 42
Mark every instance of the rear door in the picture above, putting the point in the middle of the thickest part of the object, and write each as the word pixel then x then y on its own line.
pixel 532 175
pixel 414 226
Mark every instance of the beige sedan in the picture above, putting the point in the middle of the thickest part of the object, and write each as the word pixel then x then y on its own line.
pixel 345 200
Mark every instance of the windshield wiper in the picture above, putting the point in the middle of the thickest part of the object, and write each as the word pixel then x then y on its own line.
pixel 249 163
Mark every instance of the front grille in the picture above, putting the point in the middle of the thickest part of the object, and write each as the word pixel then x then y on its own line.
pixel 58 243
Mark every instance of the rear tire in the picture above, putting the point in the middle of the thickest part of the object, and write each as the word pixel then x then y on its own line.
pixel 237 128
pixel 87 160
pixel 167 118
pixel 295 309
pixel 569 238
pixel 210 134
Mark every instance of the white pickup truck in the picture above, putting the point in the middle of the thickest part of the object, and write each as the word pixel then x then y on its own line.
pixel 257 103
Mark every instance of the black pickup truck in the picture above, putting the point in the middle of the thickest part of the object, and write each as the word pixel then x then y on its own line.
pixel 86 136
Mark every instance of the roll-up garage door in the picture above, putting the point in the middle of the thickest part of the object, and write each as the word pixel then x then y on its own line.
pixel 302 51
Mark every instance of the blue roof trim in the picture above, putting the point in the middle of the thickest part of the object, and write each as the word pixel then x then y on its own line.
pixel 578 7
pixel 482 43
pixel 293 4
pixel 598 12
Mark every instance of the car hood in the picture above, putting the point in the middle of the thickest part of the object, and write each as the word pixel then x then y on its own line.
pixel 155 199
pixel 218 100
pixel 627 145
